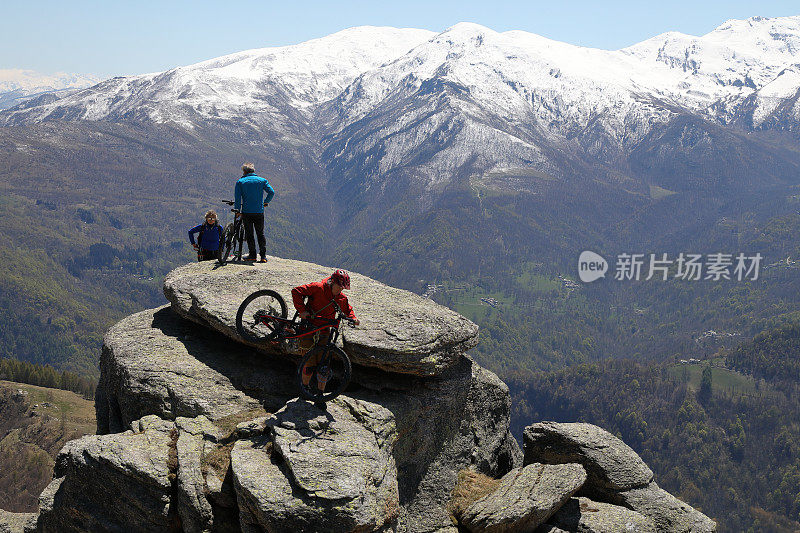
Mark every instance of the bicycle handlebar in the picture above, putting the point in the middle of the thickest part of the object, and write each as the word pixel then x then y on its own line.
pixel 339 316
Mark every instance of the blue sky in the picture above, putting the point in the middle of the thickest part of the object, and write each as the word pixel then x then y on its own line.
pixel 119 38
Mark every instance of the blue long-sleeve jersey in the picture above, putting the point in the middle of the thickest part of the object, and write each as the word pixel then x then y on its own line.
pixel 249 193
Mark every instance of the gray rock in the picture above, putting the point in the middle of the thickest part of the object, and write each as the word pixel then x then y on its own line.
pixel 399 332
pixel 200 426
pixel 221 493
pixel 17 522
pixel 457 421
pixel 524 499
pixel 669 513
pixel 582 515
pixel 155 362
pixel 251 428
pixel 193 507
pixel 609 462
pixel 319 470
pixel 446 423
pixel 108 482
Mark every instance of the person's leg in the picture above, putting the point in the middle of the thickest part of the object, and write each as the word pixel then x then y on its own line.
pixel 247 219
pixel 323 371
pixel 306 343
pixel 258 222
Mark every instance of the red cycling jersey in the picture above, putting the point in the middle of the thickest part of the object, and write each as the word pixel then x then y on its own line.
pixel 319 295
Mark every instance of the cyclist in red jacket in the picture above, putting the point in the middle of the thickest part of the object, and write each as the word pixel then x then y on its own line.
pixel 318 309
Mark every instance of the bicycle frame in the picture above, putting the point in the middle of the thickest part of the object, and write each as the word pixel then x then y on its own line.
pixel 237 236
pixel 320 366
pixel 333 325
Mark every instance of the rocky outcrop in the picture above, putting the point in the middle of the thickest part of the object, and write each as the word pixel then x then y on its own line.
pixel 609 462
pixel 155 362
pixel 524 499
pixel 400 331
pixel 587 516
pixel 200 433
pixel 108 482
pixel 319 470
pixel 616 474
pixel 17 522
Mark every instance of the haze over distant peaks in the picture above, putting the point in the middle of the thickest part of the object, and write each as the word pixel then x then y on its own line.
pixel 18 85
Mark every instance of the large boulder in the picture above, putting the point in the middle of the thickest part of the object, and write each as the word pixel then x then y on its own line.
pixel 319 470
pixel 669 514
pixel 113 482
pixel 155 362
pixel 616 474
pixel 524 499
pixel 609 462
pixel 399 332
pixel 582 515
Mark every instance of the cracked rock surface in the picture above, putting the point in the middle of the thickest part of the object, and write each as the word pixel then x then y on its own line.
pixel 108 482
pixel 319 470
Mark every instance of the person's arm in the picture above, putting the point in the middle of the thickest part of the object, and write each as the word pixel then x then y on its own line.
pixel 237 196
pixel 270 191
pixel 193 231
pixel 298 293
pixel 347 309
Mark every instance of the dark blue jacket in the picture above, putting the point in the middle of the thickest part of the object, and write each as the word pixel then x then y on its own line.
pixel 249 193
pixel 209 240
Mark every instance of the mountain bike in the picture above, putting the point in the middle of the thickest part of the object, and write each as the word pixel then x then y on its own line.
pixel 232 236
pixel 262 319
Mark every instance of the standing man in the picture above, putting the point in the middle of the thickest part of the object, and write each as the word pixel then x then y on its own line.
pixel 249 193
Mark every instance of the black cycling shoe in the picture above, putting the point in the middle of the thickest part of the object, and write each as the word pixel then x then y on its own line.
pixel 320 405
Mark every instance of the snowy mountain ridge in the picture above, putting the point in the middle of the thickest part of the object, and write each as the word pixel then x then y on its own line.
pixel 516 72
pixel 383 106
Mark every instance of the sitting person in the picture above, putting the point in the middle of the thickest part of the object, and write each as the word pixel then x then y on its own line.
pixel 207 245
pixel 318 310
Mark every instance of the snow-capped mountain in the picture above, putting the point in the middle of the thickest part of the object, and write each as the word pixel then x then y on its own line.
pixel 254 85
pixel 516 72
pixel 382 104
pixel 18 85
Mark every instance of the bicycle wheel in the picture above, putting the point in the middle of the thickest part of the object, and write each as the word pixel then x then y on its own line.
pixel 328 373
pixel 227 239
pixel 250 318
pixel 239 237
